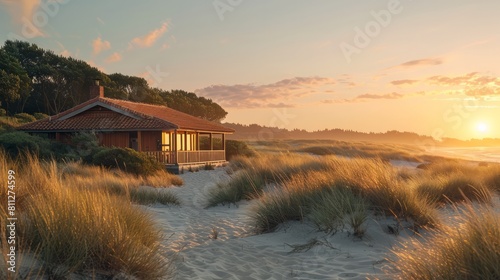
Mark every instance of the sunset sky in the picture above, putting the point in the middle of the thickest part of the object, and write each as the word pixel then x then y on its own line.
pixel 431 67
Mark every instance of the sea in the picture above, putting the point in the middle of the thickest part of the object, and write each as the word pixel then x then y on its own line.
pixel 489 154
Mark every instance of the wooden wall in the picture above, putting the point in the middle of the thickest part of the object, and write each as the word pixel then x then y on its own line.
pixel 150 141
pixel 114 139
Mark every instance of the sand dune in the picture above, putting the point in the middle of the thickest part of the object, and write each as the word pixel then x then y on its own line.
pixel 239 254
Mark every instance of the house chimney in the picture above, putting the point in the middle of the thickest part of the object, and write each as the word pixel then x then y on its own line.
pixel 96 90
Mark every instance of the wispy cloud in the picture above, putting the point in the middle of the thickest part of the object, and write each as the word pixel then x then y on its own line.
pixel 64 52
pixel 423 62
pixel 403 82
pixel 22 12
pixel 268 95
pixel 95 65
pixel 115 57
pixel 99 45
pixel 149 39
pixel 471 84
pixel 165 46
pixel 392 95
pixel 364 98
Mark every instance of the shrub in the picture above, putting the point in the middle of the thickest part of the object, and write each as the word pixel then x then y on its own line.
pixel 8 123
pixel 127 160
pixel 84 145
pixel 16 142
pixel 40 116
pixel 237 148
pixel 3 112
pixel 25 118
pixel 469 250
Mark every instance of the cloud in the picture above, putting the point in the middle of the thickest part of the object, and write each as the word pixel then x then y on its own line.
pixel 471 84
pixel 392 95
pixel 422 62
pixel 22 12
pixel 403 82
pixel 473 79
pixel 64 52
pixel 149 39
pixel 93 64
pixel 115 57
pixel 364 98
pixel 268 95
pixel 98 45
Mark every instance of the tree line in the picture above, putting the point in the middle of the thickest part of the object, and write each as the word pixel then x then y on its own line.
pixel 34 80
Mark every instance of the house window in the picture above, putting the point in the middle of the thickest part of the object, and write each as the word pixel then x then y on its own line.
pixel 165 140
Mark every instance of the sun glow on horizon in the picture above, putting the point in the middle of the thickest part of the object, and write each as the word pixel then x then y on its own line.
pixel 482 127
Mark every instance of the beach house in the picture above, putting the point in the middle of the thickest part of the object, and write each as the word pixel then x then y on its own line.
pixel 171 137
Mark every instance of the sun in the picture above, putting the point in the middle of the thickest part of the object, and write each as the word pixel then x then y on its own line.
pixel 482 127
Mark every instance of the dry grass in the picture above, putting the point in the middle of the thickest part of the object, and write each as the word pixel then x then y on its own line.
pixel 74 223
pixel 372 182
pixel 123 184
pixel 256 172
pixel 469 250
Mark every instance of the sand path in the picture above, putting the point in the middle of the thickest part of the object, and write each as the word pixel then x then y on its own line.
pixel 237 253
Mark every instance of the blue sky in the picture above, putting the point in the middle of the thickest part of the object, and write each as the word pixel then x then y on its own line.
pixel 424 66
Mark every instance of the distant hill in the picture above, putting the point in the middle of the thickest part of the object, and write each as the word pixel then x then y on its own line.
pixel 262 133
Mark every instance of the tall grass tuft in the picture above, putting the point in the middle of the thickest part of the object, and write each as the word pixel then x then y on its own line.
pixel 73 226
pixel 149 196
pixel 259 171
pixel 315 194
pixel 337 207
pixel 467 251
pixel 455 187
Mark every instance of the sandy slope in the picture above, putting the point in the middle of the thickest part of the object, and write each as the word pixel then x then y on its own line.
pixel 238 254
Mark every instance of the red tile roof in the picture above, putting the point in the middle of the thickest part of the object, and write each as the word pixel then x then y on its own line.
pixel 125 115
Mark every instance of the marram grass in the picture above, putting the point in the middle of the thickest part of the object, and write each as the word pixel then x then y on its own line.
pixel 469 250
pixel 80 220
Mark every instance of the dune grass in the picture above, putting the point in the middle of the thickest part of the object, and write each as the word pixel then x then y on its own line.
pixel 254 173
pixel 469 250
pixel 120 183
pixel 71 223
pixel 339 194
pixel 290 186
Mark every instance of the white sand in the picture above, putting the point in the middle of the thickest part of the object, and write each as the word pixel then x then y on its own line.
pixel 239 254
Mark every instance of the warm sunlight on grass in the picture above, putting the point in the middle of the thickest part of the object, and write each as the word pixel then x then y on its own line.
pixel 467 250
pixel 79 219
